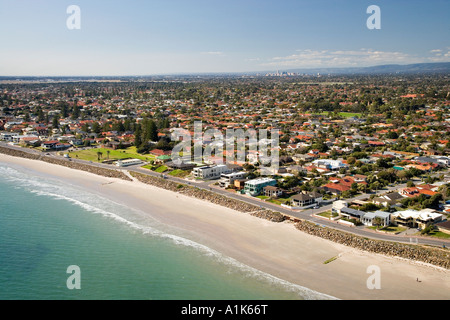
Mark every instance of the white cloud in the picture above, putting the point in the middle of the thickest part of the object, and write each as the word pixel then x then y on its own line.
pixel 440 55
pixel 340 58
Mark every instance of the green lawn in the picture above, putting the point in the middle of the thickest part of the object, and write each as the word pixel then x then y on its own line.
pixel 161 169
pixel 280 201
pixel 393 229
pixel 439 234
pixel 326 214
pixel 91 154
pixel 156 168
pixel 179 173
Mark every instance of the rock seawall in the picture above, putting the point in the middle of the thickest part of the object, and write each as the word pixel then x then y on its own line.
pixel 110 173
pixel 434 256
pixel 209 196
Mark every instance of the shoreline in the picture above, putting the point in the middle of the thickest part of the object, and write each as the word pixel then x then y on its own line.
pixel 278 249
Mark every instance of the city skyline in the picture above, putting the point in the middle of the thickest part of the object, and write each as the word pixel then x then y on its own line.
pixel 162 37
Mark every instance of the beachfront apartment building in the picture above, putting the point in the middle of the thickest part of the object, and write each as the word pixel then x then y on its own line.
pixel 8 136
pixel 256 186
pixel 210 172
pixel 227 179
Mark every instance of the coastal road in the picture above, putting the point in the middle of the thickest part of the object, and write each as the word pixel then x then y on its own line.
pixel 308 214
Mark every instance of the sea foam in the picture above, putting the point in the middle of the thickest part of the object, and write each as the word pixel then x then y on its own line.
pixel 56 189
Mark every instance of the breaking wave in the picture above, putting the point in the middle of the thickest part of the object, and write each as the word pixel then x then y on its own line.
pixel 139 221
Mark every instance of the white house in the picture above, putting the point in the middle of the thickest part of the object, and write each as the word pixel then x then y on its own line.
pixel 329 164
pixel 228 178
pixel 416 219
pixel 8 136
pixel 210 172
pixel 369 217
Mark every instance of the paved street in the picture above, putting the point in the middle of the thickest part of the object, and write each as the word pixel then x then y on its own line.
pixel 307 214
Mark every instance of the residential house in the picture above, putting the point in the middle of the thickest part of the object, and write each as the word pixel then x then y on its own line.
pixel 329 164
pixel 49 145
pixel 306 199
pixel 341 207
pixel 239 184
pixel 390 199
pixel 369 218
pixel 210 172
pixel 273 192
pixel 227 179
pixel 416 219
pixel 256 186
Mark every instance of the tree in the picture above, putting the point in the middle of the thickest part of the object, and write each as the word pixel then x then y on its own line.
pixel 137 136
pixel 40 115
pixel 362 187
pixel 55 122
pixel 99 155
pixel 429 228
pixel 377 221
pixel 151 131
pixel 96 127
pixel 375 185
pixel 351 160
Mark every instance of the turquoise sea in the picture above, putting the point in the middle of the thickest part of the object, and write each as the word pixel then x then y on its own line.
pixel 47 225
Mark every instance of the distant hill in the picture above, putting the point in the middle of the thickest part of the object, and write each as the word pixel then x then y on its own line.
pixel 441 67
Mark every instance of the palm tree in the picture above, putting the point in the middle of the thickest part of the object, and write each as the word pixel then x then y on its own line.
pixel 107 154
pixel 362 187
pixel 99 155
pixel 377 221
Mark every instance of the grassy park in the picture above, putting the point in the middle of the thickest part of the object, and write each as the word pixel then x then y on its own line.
pixel 94 156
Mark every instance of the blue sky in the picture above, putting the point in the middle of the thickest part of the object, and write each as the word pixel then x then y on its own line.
pixel 144 37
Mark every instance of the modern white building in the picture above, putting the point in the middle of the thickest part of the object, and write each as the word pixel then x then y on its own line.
pixel 255 187
pixel 8 136
pixel 416 219
pixel 128 162
pixel 329 164
pixel 368 218
pixel 228 178
pixel 210 172
pixel 341 207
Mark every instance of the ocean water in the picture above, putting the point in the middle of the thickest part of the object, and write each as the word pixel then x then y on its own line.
pixel 47 225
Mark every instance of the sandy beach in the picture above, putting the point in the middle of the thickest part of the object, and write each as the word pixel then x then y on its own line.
pixel 275 248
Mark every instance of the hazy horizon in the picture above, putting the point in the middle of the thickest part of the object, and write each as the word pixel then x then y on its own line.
pixel 148 38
